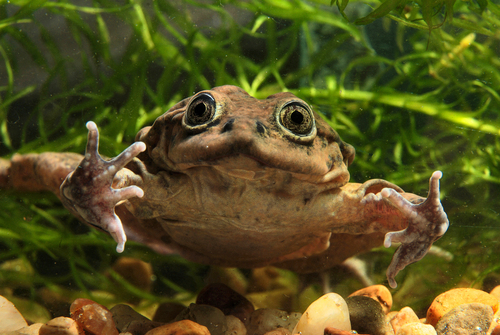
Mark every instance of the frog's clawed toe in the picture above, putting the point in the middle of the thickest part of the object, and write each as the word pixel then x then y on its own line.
pixel 88 190
pixel 427 222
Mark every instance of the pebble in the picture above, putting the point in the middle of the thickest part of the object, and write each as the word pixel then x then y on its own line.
pixel 496 330
pixel 124 314
pixel 330 310
pixel 205 315
pixel 92 317
pixel 136 272
pixel 404 316
pixel 184 327
pixel 416 328
pixel 448 300
pixel 29 330
pixel 10 316
pixel 60 326
pixel 265 320
pixel 466 319
pixel 335 331
pixel 324 316
pixel 227 300
pixel 235 326
pixel 366 315
pixel 378 293
pixel 496 292
pixel 279 331
pixel 137 327
pixel 168 311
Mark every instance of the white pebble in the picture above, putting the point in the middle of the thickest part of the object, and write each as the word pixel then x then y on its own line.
pixel 328 311
pixel 10 317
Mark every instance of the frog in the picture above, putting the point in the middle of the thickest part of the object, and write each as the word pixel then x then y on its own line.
pixel 226 179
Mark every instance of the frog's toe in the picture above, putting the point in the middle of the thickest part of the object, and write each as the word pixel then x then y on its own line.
pixel 127 155
pixel 127 193
pixel 406 254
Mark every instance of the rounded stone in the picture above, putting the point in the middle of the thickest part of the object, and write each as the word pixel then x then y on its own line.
pixel 335 331
pixel 227 300
pixel 167 311
pixel 416 328
pixel 496 292
pixel 59 326
pixel 123 315
pixel 265 320
pixel 448 300
pixel 279 331
pixel 366 315
pixel 135 271
pixel 10 316
pixel 92 317
pixel 205 315
pixel 466 319
pixel 183 327
pixel 330 310
pixel 404 316
pixel 378 293
pixel 235 326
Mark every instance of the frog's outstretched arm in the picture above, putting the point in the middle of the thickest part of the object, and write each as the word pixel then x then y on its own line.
pixel 88 191
pixel 427 223
pixel 379 206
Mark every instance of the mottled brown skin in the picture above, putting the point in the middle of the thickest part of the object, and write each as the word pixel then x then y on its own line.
pixel 255 182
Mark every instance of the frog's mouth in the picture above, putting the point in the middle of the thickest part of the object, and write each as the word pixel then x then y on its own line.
pixel 245 166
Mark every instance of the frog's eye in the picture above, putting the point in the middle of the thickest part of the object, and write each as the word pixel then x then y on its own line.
pixel 200 111
pixel 297 118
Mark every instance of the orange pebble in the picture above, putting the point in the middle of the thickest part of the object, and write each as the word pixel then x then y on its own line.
pixel 496 330
pixel 448 300
pixel 496 292
pixel 185 327
pixel 379 293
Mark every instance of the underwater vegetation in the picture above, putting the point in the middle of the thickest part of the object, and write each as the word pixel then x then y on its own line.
pixel 413 86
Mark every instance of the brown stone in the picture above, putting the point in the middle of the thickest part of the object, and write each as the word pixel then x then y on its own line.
pixel 279 331
pixel 184 327
pixel 227 300
pixel 135 271
pixel 448 300
pixel 93 317
pixel 496 330
pixel 167 311
pixel 379 293
pixel 335 331
pixel 235 326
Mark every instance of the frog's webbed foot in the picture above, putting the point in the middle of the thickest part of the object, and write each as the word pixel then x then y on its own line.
pixel 88 189
pixel 427 222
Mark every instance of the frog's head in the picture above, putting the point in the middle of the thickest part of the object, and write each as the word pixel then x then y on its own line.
pixel 228 129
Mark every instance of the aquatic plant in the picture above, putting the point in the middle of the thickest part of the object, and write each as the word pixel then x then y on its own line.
pixel 409 101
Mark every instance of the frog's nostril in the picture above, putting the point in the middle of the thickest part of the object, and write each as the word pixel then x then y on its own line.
pixel 261 129
pixel 228 126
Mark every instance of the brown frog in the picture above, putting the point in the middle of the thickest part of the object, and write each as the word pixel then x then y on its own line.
pixel 226 179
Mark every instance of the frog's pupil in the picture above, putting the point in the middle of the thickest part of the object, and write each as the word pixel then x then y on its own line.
pixel 200 110
pixel 297 117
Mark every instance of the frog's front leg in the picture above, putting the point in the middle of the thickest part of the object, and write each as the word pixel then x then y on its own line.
pixel 428 222
pixel 88 191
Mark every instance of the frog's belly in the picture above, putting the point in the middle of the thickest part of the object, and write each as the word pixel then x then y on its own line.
pixel 227 240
